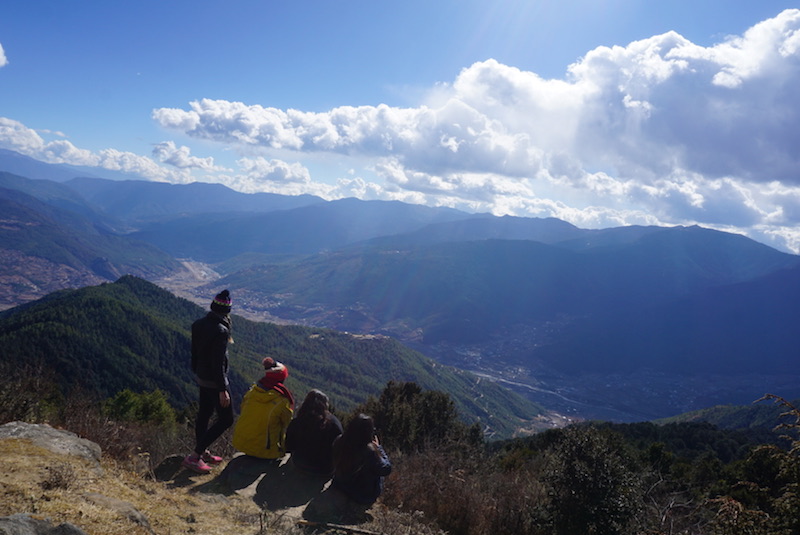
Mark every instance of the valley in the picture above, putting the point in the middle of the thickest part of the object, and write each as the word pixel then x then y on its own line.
pixel 505 358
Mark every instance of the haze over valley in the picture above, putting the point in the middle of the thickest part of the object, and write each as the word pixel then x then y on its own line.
pixel 622 324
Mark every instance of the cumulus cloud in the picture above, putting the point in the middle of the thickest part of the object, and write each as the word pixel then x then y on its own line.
pixel 181 157
pixel 660 130
pixel 657 131
pixel 642 111
pixel 257 171
pixel 3 59
pixel 18 137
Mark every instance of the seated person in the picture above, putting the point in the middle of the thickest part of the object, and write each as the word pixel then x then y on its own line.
pixel 310 436
pixel 360 464
pixel 267 409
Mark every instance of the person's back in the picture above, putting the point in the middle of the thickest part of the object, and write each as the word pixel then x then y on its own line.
pixel 310 435
pixel 260 429
pixel 210 337
pixel 265 414
pixel 360 463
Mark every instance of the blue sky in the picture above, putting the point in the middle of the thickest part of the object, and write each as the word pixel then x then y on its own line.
pixel 601 113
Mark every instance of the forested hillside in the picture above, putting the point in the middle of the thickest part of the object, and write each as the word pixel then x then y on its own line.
pixel 132 334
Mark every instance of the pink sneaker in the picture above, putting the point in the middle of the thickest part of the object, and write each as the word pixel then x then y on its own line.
pixel 195 464
pixel 211 459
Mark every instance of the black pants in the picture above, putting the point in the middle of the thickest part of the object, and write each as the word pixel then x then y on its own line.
pixel 209 404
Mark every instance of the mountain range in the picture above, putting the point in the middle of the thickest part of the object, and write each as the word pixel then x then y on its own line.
pixel 624 323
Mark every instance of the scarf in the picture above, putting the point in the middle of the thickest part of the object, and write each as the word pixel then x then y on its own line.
pixel 273 380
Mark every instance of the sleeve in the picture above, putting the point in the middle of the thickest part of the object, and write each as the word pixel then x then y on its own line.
pixel 195 346
pixel 291 436
pixel 285 420
pixel 218 353
pixel 337 425
pixel 384 465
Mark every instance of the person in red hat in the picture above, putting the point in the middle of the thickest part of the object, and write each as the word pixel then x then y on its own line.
pixel 266 411
pixel 210 338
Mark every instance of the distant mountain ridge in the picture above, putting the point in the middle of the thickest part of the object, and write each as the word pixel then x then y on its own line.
pixel 465 290
pixel 20 164
pixel 309 229
pixel 740 328
pixel 140 200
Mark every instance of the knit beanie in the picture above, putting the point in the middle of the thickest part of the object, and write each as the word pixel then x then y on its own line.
pixel 222 302
pixel 274 371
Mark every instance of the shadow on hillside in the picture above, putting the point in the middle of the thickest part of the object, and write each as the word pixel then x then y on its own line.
pixel 287 487
pixel 239 473
pixel 171 472
pixel 273 485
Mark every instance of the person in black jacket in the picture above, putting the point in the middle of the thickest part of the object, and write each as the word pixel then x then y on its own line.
pixel 210 337
pixel 310 435
pixel 360 464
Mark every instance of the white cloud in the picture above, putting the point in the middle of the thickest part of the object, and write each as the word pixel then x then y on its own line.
pixel 259 171
pixel 180 157
pixel 642 112
pixel 660 131
pixel 452 137
pixel 17 137
pixel 3 59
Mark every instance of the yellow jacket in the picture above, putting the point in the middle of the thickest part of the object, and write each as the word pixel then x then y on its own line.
pixel 261 428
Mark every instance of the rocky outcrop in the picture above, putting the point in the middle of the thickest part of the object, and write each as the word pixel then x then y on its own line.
pixel 23 524
pixel 56 440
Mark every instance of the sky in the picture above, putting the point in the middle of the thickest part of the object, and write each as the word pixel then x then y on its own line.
pixel 602 113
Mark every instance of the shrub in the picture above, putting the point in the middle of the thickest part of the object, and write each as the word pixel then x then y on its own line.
pixel 150 407
pixel 461 492
pixel 409 419
pixel 593 487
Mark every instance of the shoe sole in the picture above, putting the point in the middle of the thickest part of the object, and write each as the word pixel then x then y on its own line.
pixel 195 469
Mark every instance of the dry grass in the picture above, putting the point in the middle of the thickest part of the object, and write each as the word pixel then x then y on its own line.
pixel 62 488
pixel 55 487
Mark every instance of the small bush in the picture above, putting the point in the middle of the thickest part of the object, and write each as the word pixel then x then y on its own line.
pixel 59 476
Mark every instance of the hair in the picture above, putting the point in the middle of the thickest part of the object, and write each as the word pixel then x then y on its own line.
pixel 360 431
pixel 314 407
pixel 349 447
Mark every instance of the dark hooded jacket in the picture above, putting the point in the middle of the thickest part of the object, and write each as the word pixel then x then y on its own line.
pixel 210 335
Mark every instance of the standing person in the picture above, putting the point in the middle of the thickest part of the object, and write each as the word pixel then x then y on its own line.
pixel 266 411
pixel 210 337
pixel 310 436
pixel 360 464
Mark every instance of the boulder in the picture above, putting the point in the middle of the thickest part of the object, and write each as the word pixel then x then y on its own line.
pixel 24 524
pixel 56 440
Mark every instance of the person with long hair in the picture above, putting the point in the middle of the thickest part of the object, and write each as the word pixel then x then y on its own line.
pixel 310 435
pixel 360 463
